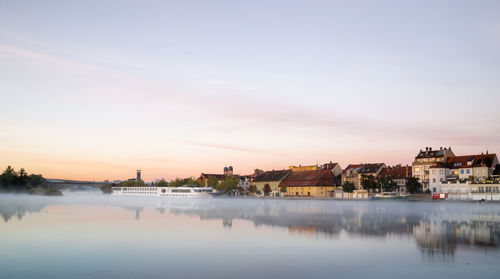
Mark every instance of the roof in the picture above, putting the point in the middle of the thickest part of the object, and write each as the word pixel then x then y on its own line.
pixel 310 178
pixel 370 168
pixel 352 166
pixel 274 175
pixel 329 166
pixel 471 161
pixel 396 172
pixel 429 153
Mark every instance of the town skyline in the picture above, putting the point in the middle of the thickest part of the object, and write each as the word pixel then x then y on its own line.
pixel 149 175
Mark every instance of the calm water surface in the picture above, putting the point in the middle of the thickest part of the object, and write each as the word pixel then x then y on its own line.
pixel 91 235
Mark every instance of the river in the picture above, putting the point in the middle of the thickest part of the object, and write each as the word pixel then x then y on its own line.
pixel 92 235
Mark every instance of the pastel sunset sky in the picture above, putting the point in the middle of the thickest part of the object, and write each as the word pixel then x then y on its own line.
pixel 98 89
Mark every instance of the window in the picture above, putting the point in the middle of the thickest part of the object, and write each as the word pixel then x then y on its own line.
pixel 433 171
pixel 468 171
pixel 434 180
pixel 417 169
pixel 441 172
pixel 308 193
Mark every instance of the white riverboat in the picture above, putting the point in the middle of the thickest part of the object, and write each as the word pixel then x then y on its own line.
pixel 185 192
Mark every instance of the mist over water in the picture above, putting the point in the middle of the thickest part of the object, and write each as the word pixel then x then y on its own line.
pixel 91 235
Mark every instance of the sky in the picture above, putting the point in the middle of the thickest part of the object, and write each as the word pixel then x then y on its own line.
pixel 97 89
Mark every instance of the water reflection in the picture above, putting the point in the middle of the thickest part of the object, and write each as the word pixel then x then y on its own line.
pixel 437 228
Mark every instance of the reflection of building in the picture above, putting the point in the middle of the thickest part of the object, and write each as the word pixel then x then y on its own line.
pixel 270 180
pixel 310 183
pixel 427 159
pixel 445 236
pixel 353 173
pixel 227 223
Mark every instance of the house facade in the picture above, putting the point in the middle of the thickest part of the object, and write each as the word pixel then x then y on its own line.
pixel 353 172
pixel 399 174
pixel 272 179
pixel 475 169
pixel 427 159
pixel 310 183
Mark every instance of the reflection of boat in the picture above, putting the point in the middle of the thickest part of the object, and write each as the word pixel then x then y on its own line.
pixel 187 192
pixel 389 196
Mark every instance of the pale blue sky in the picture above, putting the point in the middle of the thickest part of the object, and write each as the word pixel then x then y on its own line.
pixel 96 89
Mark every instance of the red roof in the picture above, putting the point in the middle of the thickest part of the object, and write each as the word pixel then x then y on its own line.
pixel 311 178
pixel 471 161
pixel 396 172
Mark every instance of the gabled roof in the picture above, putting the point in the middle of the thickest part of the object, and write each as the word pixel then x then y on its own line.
pixel 396 172
pixel 370 168
pixel 322 178
pixel 472 161
pixel 274 175
pixel 352 167
pixel 429 153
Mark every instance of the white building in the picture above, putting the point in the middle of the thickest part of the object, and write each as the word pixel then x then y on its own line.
pixel 474 168
pixel 244 182
pixel 426 159
pixel 471 191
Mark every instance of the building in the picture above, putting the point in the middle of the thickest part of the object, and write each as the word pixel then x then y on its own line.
pixel 353 172
pixel 310 183
pixel 399 174
pixel 271 179
pixel 244 182
pixel 138 178
pixel 203 179
pixel 427 159
pixel 469 168
pixel 334 167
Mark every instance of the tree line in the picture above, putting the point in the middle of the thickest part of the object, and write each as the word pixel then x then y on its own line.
pixel 20 181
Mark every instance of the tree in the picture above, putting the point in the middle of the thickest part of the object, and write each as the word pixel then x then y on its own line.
pixel 106 188
pixel 20 181
pixel 37 180
pixel 132 183
pixel 267 190
pixel 283 189
pixel 212 182
pixel 387 184
pixel 368 182
pixel 252 189
pixel 162 183
pixel 176 182
pixel 229 184
pixel 348 187
pixel 413 185
pixel 190 181
pixel 8 178
pixel 497 170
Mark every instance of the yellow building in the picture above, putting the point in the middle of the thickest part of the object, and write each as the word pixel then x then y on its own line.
pixel 303 168
pixel 270 180
pixel 310 183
